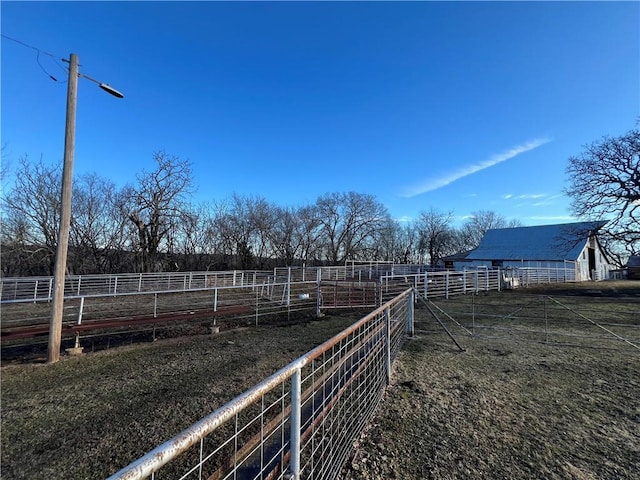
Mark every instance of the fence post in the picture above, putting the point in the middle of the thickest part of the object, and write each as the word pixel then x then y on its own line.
pixel 546 322
pixel 50 287
pixel 464 281
pixel 410 311
pixel 140 283
pixel 80 310
pixel 475 281
pixel 446 284
pixel 387 342
pixel 318 293
pixel 473 315
pixel 296 390
pixel 426 283
pixel 486 280
pixel 499 279
pixel 79 282
pixel 215 299
pixel 288 286
pixel 35 292
pixel 115 286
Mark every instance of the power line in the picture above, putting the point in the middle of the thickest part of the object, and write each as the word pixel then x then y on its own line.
pixel 39 51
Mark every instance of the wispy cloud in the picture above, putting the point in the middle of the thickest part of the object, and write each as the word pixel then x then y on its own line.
pixel 443 181
pixel 531 196
pixel 553 217
pixel 544 199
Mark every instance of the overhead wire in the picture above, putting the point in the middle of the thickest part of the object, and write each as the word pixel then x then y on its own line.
pixel 39 51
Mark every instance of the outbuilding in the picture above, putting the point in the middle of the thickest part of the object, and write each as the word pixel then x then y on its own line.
pixel 573 247
pixel 633 267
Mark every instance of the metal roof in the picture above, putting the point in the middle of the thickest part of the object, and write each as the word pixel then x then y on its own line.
pixel 540 243
pixel 634 261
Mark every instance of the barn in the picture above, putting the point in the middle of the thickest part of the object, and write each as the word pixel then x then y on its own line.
pixel 568 246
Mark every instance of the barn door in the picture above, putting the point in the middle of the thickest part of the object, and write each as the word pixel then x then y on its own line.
pixel 592 263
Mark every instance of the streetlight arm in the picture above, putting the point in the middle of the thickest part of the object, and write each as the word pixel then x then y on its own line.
pixel 107 88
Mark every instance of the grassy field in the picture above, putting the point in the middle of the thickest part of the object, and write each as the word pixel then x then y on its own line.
pixel 508 407
pixel 87 417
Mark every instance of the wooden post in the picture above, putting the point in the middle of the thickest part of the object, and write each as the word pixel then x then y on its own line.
pixel 55 326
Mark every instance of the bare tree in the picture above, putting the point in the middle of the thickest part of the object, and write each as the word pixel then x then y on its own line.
pixel 307 232
pixel 31 218
pixel 349 221
pixel 398 242
pixel 436 235
pixel 98 225
pixel 605 185
pixel 478 224
pixel 239 228
pixel 284 235
pixel 157 203
pixel 262 216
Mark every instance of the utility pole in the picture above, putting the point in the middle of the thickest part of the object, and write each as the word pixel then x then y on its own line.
pixel 55 326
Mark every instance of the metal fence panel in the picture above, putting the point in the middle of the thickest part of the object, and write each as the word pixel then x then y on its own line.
pixel 301 421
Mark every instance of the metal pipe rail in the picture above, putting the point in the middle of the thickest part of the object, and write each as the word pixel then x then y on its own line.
pixel 33 289
pixel 302 420
pixel 442 284
pixel 104 312
pixel 28 289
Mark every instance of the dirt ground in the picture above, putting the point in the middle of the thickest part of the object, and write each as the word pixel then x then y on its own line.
pixel 509 407
pixel 505 408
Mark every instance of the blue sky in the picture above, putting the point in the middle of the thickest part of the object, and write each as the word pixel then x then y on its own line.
pixel 452 105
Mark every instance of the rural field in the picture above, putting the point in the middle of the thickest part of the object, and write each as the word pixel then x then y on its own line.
pixel 512 405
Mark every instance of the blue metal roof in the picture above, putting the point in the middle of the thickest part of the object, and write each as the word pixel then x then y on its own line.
pixel 540 243
pixel 634 261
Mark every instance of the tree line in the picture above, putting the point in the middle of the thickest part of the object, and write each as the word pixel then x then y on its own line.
pixel 155 225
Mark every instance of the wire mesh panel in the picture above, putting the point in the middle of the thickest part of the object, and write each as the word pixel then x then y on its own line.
pixel 302 420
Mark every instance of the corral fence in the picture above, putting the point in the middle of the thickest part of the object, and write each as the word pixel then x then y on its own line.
pixel 301 421
pixel 20 289
pixel 39 289
pixel 143 302
pixel 94 315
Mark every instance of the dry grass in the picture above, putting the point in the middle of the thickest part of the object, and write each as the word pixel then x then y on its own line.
pixel 513 405
pixel 88 417
pixel 506 408
pixel 503 410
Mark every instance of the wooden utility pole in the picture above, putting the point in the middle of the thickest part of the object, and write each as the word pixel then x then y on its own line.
pixel 55 326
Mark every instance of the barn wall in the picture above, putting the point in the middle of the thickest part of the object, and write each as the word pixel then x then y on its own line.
pixel 601 268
